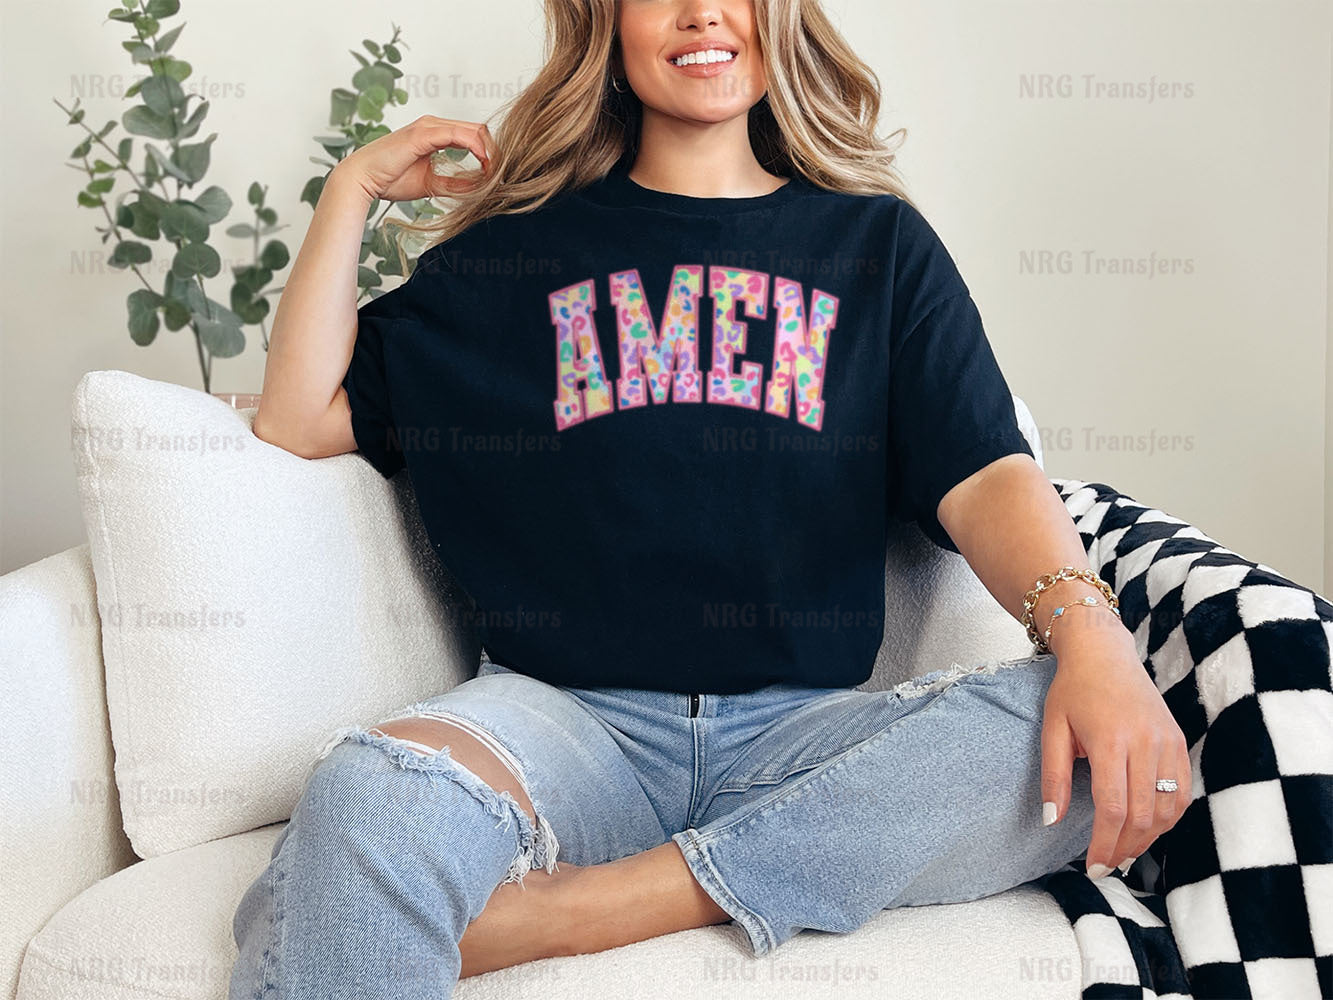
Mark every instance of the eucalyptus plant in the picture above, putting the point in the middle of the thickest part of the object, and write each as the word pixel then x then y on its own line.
pixel 159 210
pixel 358 116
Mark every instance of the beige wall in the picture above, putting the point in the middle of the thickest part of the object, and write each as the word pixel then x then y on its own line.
pixel 1328 361
pixel 1225 365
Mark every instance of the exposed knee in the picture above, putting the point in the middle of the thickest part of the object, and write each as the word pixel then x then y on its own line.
pixel 364 771
pixel 427 736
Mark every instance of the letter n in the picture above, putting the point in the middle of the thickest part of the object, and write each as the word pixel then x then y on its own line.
pixel 799 352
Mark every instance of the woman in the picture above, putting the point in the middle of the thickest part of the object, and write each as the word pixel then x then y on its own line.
pixel 681 349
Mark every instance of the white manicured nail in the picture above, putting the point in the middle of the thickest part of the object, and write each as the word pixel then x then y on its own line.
pixel 1048 813
pixel 1098 870
pixel 1125 865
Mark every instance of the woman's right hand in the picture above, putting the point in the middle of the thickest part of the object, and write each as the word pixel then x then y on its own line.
pixel 397 166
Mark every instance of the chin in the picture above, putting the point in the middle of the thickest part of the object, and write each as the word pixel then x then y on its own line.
pixel 709 114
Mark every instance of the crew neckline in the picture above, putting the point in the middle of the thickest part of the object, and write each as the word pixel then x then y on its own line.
pixel 618 188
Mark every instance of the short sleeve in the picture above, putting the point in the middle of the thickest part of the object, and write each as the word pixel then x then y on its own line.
pixel 951 412
pixel 378 322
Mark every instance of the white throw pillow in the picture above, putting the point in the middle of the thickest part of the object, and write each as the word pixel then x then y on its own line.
pixel 251 602
pixel 937 612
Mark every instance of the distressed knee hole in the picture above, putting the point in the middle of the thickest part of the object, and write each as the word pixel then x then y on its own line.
pixel 484 775
pixel 938 680
pixel 428 737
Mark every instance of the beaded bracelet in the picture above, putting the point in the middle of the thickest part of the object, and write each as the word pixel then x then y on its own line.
pixel 1084 602
pixel 1045 581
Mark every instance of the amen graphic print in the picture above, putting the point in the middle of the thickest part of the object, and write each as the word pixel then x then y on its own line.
pixel 661 360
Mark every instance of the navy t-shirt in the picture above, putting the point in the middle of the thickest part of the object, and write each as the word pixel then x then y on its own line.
pixel 656 438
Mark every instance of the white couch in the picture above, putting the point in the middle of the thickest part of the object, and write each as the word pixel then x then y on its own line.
pixel 92 712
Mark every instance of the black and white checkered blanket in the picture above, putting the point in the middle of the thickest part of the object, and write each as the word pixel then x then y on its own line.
pixel 1236 900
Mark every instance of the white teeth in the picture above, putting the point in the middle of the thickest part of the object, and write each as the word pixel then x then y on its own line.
pixel 706 56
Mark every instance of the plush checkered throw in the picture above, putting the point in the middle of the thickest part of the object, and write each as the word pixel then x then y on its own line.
pixel 1236 900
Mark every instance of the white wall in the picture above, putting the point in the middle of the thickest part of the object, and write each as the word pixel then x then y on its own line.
pixel 1226 363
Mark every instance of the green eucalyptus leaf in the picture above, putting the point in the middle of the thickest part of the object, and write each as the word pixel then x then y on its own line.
pixel 215 202
pixel 184 220
pixel 274 255
pixel 194 158
pixel 254 277
pixel 167 166
pixel 90 200
pixel 367 278
pixel 242 230
pixel 336 148
pixel 369 108
pixel 191 124
pixel 222 340
pixel 143 304
pixel 245 305
pixel 359 57
pixel 312 190
pixel 106 128
pixel 378 75
pixel 130 252
pixel 125 149
pixel 164 43
pixel 81 150
pixel 379 241
pixel 163 95
pixel 177 69
pixel 196 258
pixel 163 8
pixel 144 221
pixel 342 105
pixel 392 54
pixel 145 24
pixel 255 195
pixel 187 293
pixel 102 167
pixel 145 121
pixel 100 186
pixel 175 314
pixel 153 203
pixel 139 52
pixel 400 96
pixel 267 216
pixel 371 47
pixel 117 14
pixel 124 217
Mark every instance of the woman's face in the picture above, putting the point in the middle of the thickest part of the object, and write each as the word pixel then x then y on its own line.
pixel 725 82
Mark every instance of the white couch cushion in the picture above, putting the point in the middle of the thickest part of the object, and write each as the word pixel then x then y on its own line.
pixel 162 929
pixel 251 602
pixel 59 821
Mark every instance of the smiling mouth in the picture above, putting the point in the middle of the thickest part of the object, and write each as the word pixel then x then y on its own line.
pixel 705 57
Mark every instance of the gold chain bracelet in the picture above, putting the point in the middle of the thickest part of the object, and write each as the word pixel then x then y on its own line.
pixel 1044 582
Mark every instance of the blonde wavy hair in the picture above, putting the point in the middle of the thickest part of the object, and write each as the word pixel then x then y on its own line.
pixel 569 127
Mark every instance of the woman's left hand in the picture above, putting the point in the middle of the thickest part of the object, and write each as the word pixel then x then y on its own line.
pixel 1103 705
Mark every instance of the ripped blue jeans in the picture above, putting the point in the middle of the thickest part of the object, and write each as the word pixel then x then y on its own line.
pixel 794 807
